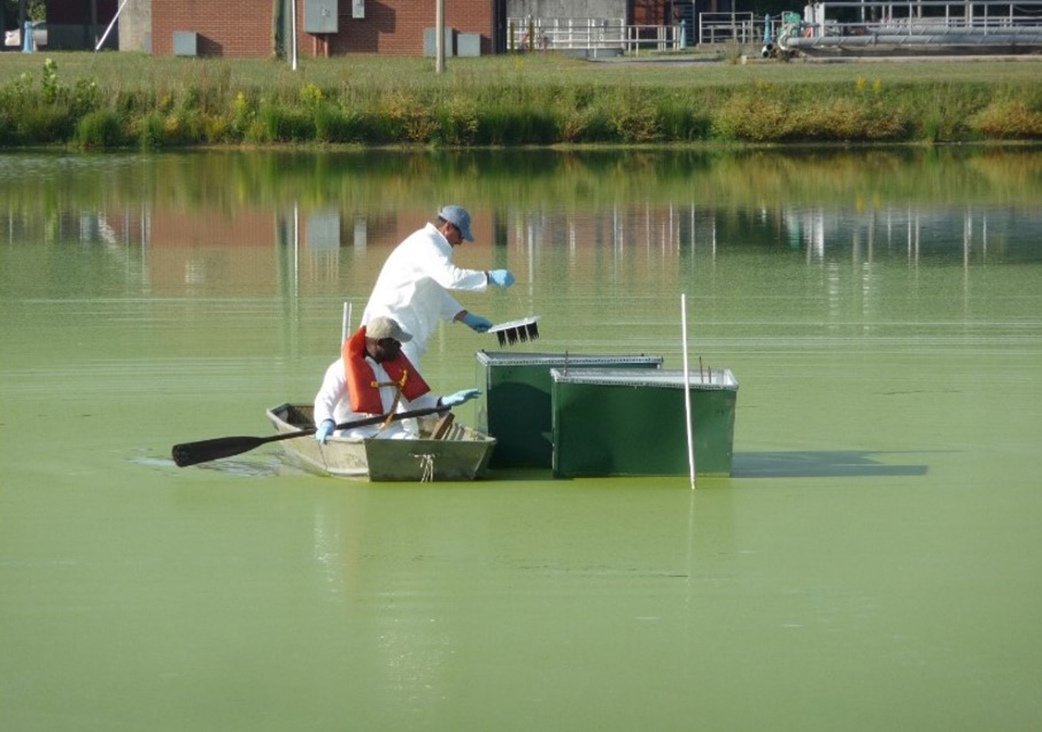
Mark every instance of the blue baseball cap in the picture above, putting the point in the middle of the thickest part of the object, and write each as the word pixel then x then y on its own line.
pixel 458 217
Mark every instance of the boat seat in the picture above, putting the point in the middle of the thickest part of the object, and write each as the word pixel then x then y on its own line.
pixel 442 427
pixel 456 433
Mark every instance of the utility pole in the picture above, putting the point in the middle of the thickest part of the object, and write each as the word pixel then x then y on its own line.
pixel 439 36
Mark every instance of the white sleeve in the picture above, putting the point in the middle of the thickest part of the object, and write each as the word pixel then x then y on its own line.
pixel 449 306
pixel 440 268
pixel 329 395
pixel 426 401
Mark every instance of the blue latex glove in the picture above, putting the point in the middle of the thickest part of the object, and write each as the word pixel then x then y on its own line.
pixel 476 322
pixel 452 400
pixel 501 277
pixel 325 430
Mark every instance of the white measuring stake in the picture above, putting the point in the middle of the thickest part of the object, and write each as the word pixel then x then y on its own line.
pixel 345 323
pixel 687 391
pixel 109 29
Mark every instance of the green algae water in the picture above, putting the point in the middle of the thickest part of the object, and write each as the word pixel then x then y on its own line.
pixel 873 562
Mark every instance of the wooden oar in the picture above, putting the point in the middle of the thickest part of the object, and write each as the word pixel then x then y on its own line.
pixel 191 453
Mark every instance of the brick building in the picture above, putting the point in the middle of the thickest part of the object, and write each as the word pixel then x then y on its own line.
pixel 259 28
pixel 263 27
pixel 391 27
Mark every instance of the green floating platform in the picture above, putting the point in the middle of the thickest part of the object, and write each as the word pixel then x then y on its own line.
pixel 515 403
pixel 632 422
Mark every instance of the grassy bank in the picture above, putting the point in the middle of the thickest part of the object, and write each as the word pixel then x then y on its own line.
pixel 121 100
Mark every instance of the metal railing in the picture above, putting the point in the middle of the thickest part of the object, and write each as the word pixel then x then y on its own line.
pixel 590 34
pixel 715 28
pixel 922 18
pixel 971 21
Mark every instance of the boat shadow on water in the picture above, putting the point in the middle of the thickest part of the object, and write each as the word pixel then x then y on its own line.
pixel 821 464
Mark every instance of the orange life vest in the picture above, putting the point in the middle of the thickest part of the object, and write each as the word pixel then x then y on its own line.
pixel 362 386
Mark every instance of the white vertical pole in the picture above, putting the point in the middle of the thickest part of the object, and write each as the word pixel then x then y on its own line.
pixel 343 325
pixel 293 32
pixel 109 29
pixel 439 39
pixel 687 391
pixel 296 251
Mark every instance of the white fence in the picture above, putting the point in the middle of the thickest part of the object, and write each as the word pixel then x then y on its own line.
pixel 591 35
pixel 716 28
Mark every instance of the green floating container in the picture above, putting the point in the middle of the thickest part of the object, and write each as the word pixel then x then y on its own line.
pixel 631 422
pixel 515 403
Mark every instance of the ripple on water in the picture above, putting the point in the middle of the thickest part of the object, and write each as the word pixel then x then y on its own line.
pixel 263 467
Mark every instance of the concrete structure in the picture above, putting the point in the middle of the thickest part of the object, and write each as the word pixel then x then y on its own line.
pixel 135 26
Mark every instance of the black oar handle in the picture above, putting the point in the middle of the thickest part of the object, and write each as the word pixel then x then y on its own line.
pixel 365 422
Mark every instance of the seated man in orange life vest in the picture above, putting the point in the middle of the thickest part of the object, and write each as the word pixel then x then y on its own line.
pixel 366 380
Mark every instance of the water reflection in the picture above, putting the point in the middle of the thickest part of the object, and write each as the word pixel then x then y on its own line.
pixel 265 223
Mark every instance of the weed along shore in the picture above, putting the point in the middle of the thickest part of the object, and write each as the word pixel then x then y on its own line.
pixel 120 101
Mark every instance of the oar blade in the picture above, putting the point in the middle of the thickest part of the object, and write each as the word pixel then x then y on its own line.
pixel 193 453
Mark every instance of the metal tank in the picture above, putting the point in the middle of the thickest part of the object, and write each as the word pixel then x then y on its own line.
pixel 515 403
pixel 630 422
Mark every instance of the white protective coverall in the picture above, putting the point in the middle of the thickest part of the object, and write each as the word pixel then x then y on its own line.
pixel 332 402
pixel 413 288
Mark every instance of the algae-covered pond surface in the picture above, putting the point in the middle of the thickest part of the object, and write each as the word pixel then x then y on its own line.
pixel 872 563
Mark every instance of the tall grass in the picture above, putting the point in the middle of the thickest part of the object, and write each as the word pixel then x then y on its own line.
pixel 505 101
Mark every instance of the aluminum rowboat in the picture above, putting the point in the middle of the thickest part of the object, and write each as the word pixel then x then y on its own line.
pixel 460 453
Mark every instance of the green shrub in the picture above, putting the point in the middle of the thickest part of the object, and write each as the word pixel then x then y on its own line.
pixel 753 119
pixel 99 130
pixel 590 124
pixel 150 132
pixel 333 124
pixel 679 120
pixel 284 124
pixel 495 125
pixel 457 121
pixel 408 117
pixel 42 125
pixel 1008 120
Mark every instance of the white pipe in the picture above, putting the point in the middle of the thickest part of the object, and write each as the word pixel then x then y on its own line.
pixel 109 29
pixel 937 39
pixel 293 32
pixel 343 325
pixel 687 391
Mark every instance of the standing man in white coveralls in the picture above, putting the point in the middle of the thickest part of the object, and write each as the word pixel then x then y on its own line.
pixel 413 286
